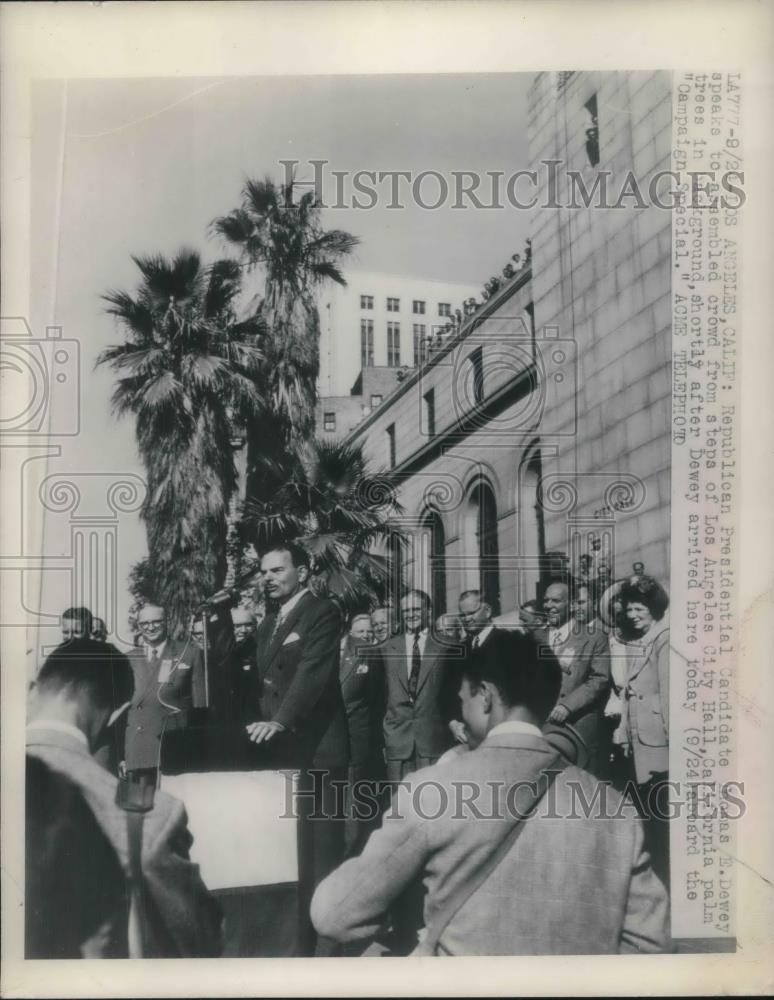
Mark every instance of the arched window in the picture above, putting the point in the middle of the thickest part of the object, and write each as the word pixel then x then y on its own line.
pixel 481 543
pixel 531 529
pixel 436 556
pixel 396 585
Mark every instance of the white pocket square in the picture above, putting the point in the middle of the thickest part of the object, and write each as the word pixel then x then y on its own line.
pixel 293 637
pixel 362 668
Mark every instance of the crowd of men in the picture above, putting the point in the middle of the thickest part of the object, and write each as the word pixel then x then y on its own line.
pixel 376 705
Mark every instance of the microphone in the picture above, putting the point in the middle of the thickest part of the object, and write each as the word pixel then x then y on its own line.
pixel 221 597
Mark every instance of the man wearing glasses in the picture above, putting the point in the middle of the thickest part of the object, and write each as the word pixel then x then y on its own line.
pixel 168 683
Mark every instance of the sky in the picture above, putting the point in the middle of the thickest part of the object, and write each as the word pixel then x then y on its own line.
pixel 122 167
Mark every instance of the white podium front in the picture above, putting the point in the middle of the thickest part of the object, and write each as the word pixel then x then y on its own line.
pixel 244 830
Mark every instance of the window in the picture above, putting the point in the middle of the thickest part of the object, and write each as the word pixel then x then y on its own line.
pixel 437 554
pixel 419 307
pixel 481 546
pixel 444 308
pixel 477 372
pixel 420 332
pixel 376 400
pixel 366 343
pixel 428 414
pixel 393 305
pixel 366 301
pixel 329 421
pixel 391 445
pixel 393 345
pixel 592 131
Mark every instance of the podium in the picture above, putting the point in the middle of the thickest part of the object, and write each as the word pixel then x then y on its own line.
pixel 245 841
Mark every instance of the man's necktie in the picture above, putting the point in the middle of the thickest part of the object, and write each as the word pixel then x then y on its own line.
pixel 277 626
pixel 416 663
pixel 154 656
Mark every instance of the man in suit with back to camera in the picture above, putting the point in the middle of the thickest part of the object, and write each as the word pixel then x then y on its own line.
pixel 79 623
pixel 168 684
pixel 69 707
pixel 299 719
pixel 525 880
pixel 581 646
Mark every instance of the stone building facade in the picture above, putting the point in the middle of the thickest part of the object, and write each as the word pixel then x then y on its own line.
pixel 542 427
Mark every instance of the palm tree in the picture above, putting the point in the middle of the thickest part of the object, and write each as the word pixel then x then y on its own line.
pixel 287 241
pixel 338 511
pixel 188 367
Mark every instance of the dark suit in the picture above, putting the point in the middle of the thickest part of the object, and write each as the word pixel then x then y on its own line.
pixel 297 685
pixel 416 732
pixel 164 696
pixel 585 661
pixel 362 687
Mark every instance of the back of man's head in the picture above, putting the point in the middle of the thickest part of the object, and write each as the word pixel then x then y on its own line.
pixel 526 675
pixel 77 623
pixel 75 886
pixel 89 674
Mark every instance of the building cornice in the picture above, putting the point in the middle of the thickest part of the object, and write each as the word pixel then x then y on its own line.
pixel 472 322
pixel 506 395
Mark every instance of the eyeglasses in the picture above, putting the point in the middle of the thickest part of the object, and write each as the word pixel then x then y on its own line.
pixel 152 621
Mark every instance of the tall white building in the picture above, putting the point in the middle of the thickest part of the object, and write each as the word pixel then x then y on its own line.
pixel 379 320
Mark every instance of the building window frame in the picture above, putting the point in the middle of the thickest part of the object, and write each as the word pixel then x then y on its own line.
pixel 592 131
pixel 393 304
pixel 477 374
pixel 366 343
pixel 391 452
pixel 428 412
pixel 393 344
pixel 420 335
pixel 329 421
pixel 418 307
pixel 444 309
pixel 376 400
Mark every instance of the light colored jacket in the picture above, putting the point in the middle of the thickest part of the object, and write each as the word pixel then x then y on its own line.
pixel 184 919
pixel 645 708
pixel 568 885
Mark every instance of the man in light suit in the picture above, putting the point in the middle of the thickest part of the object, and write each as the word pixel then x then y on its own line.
pixel 566 886
pixel 168 684
pixel 69 707
pixel 419 691
pixel 299 718
pixel 581 646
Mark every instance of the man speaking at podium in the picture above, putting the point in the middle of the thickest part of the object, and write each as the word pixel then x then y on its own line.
pixel 300 721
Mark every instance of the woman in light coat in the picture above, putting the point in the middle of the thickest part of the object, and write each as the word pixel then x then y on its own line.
pixel 644 729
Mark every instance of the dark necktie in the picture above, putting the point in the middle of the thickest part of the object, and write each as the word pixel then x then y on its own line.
pixel 154 656
pixel 276 628
pixel 416 663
